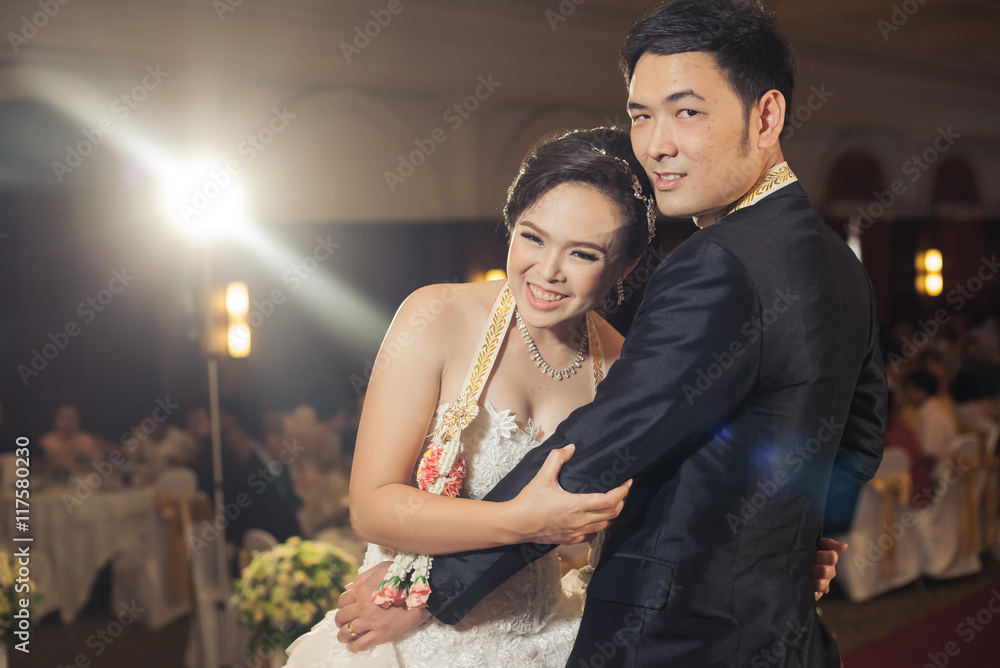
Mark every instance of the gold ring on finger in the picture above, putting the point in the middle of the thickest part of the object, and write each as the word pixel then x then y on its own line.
pixel 350 628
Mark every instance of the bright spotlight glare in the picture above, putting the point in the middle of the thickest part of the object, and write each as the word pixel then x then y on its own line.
pixel 203 199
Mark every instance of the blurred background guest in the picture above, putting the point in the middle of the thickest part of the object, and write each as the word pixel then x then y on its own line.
pixel 975 409
pixel 899 435
pixel 161 444
pixel 936 427
pixel 67 445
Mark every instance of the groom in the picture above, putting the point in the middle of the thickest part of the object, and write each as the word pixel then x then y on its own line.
pixel 749 389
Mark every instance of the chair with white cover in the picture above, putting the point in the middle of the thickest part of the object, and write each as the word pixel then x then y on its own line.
pixel 882 553
pixel 948 530
pixel 41 573
pixel 214 639
pixel 258 540
pixel 255 541
pixel 177 481
pixel 153 570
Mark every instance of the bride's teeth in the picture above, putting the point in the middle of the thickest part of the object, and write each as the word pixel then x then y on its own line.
pixel 544 296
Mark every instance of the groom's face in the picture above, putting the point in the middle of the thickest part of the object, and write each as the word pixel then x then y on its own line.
pixel 692 136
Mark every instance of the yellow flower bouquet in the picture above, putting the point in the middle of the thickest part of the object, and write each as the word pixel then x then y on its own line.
pixel 15 588
pixel 286 590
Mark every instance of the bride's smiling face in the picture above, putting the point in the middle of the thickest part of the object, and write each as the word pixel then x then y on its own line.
pixel 564 255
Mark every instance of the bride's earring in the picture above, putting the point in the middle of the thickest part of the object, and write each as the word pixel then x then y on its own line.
pixel 619 292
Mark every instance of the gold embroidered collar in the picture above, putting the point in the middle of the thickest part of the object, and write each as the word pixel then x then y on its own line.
pixel 776 178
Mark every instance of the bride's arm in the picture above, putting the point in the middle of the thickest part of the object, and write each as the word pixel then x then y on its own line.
pixel 401 400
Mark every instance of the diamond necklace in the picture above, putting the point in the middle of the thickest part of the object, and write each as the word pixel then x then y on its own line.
pixel 558 374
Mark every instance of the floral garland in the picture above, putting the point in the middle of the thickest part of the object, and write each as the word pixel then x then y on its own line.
pixel 407 581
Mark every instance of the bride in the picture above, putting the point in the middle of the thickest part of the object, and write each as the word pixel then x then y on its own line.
pixel 578 221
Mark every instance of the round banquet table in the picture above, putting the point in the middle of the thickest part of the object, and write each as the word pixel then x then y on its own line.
pixel 78 539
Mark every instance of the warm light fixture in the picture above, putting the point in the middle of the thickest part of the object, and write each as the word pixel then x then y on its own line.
pixel 238 330
pixel 495 275
pixel 933 284
pixel 933 261
pixel 929 265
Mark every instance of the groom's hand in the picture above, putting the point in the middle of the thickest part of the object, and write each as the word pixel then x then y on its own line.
pixel 825 565
pixel 372 624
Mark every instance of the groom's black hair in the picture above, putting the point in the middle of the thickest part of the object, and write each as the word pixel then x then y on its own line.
pixel 742 37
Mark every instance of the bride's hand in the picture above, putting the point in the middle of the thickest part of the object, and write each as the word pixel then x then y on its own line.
pixel 544 512
pixel 372 625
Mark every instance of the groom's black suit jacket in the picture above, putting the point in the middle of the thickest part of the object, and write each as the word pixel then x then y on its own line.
pixel 750 387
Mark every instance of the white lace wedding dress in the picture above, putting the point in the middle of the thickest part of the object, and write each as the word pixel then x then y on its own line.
pixel 530 620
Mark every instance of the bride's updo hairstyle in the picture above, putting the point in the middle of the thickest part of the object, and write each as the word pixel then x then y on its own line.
pixel 594 158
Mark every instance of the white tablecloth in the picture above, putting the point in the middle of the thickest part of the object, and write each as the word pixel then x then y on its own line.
pixel 79 544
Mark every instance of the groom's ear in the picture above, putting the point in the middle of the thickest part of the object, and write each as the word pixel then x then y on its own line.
pixel 769 114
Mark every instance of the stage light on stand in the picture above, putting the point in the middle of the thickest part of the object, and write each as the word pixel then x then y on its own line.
pixel 238 329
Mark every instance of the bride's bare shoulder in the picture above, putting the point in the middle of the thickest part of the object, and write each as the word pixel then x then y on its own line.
pixel 449 308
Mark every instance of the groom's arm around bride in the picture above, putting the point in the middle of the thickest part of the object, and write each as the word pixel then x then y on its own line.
pixel 751 370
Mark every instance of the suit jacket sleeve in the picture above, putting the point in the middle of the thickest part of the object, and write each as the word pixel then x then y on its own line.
pixel 863 440
pixel 689 360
